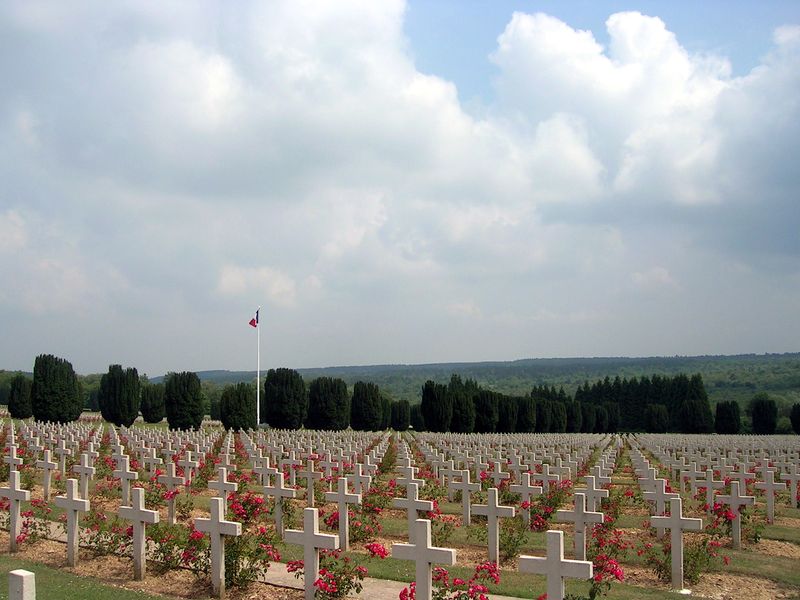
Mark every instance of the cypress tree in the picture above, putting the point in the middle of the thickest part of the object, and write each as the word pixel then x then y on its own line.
pixel 120 395
pixel 764 414
pixel 183 400
pixel 728 419
pixel 386 411
pixel 55 391
pixel 794 417
pixel 328 404
pixel 600 419
pixel 543 416
pixel 558 417
pixel 486 411
pixel 656 418
pixel 507 414
pixel 416 419
pixel 401 415
pixel 284 404
pixel 366 413
pixel 237 407
pixel 19 398
pixel 152 405
pixel 526 414
pixel 574 417
pixel 588 417
pixel 463 412
pixel 437 407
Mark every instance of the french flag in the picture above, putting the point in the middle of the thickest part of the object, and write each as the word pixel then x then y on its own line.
pixel 254 320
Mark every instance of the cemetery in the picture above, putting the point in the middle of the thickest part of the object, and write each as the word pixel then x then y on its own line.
pixel 304 513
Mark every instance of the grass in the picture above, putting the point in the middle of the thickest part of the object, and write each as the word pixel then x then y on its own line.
pixel 53 584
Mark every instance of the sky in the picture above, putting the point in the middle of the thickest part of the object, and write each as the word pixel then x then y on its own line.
pixel 396 182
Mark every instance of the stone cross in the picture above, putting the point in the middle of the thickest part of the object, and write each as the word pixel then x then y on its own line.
pixel 310 475
pixel 279 493
pixel 264 471
pixel 171 481
pixel 409 475
pixel 361 481
pixel 710 484
pixel 526 490
pixel 188 464
pixel 594 494
pixel 86 472
pixel 792 478
pixel 676 523
pixel 659 496
pixel 493 513
pixel 125 476
pixel 21 585
pixel 72 504
pixel 580 516
pixel 14 494
pixel 769 487
pixel 12 460
pixel 599 478
pixel 342 499
pixel 47 466
pixel 138 515
pixel 412 504
pixel 63 452
pixel 425 555
pixel 736 501
pixel 465 487
pixel 555 567
pixel 218 528
pixel 498 476
pixel 222 486
pixel 546 476
pixel 312 541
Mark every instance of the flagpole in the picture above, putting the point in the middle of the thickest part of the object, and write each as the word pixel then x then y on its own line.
pixel 258 371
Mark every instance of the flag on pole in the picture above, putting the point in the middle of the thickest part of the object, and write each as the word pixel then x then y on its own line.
pixel 254 320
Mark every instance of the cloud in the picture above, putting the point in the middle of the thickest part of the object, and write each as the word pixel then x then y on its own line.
pixel 655 277
pixel 263 281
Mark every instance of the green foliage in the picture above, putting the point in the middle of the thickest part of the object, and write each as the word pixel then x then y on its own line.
pixel 183 400
pixel 284 404
pixel 574 417
pixel 120 395
pixel 728 419
pixel 401 415
pixel 437 406
pixel 366 411
pixel 486 411
pixel 588 417
pixel 237 407
pixel 417 421
pixel 19 397
pixel 544 415
pixel 764 414
pixel 558 417
pixel 526 414
pixel 386 410
pixel 794 416
pixel 507 414
pixel 656 418
pixel 328 404
pixel 460 398
pixel 55 392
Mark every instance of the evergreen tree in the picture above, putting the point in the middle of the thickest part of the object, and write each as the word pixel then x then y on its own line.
pixel 612 409
pixel 486 411
pixel 183 400
pixel 794 417
pixel 152 405
pixel 284 404
pixel 656 418
pixel 728 419
pixel 526 414
pixel 19 398
pixel 506 414
pixel 558 417
pixel 401 415
pixel 386 410
pixel 588 417
pixel 237 407
pixel 437 407
pixel 328 404
pixel 214 407
pixel 574 417
pixel 600 419
pixel 120 395
pixel 366 412
pixel 55 391
pixel 416 419
pixel 463 415
pixel 764 414
pixel 543 416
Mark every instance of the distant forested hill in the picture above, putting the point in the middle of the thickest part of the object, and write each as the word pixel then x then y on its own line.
pixel 726 377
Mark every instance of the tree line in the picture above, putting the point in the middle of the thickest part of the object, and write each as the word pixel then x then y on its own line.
pixel 654 404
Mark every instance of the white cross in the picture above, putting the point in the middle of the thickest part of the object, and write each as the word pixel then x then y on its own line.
pixel 593 493
pixel 580 516
pixel 546 476
pixel 659 497
pixel 48 466
pixel 425 555
pixel 736 501
pixel 171 481
pixel 465 487
pixel 188 464
pixel 412 504
pixel 312 541
pixel 125 475
pixel 710 484
pixel 14 494
pixel 222 486
pixel 342 499
pixel 493 513
pixel 72 504
pixel 11 460
pixel 526 490
pixel 555 567
pixel 86 472
pixel 279 493
pixel 310 475
pixel 676 523
pixel 218 528
pixel 361 481
pixel 139 516
pixel 769 487
pixel 792 477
